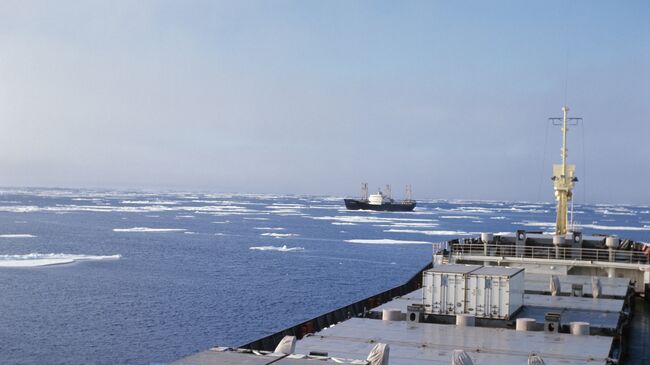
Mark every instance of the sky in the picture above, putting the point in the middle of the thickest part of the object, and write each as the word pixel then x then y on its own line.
pixel 315 97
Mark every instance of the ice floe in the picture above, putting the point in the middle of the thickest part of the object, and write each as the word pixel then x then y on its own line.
pixel 459 217
pixel 47 259
pixel 386 241
pixel 282 248
pixel 279 235
pixel 218 210
pixel 269 228
pixel 614 228
pixel 285 205
pixel 431 233
pixel 368 219
pixel 331 207
pixel 17 235
pixel 150 202
pixel 499 208
pixel 147 229
pixel 409 225
pixel 616 211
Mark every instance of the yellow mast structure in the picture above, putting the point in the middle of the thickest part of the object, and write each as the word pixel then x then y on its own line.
pixel 563 177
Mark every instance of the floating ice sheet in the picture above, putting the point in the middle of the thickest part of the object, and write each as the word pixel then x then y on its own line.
pixel 385 241
pixel 148 230
pixel 282 248
pixel 48 259
pixel 279 235
pixel 432 233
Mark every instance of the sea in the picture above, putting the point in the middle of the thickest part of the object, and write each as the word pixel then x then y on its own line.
pixel 132 277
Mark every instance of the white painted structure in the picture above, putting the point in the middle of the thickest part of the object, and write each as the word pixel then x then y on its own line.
pixel 445 289
pixel 495 292
pixel 376 199
pixel 483 292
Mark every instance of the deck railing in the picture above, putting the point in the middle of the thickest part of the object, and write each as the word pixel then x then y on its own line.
pixel 549 252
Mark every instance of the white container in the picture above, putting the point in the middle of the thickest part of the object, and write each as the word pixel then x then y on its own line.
pixel 495 292
pixel 445 289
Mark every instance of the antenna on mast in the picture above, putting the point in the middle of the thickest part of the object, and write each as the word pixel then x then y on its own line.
pixel 563 174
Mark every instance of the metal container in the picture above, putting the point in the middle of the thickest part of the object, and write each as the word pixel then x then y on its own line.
pixel 495 292
pixel 445 289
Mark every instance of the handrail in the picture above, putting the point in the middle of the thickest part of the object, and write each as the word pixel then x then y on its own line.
pixel 550 252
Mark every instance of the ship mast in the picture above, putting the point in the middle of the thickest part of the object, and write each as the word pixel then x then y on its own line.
pixel 409 193
pixel 563 175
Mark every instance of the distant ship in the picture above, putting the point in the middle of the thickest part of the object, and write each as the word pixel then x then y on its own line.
pixel 381 201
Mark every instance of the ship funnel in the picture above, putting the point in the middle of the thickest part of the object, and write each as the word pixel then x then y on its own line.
pixel 379 354
pixel 286 346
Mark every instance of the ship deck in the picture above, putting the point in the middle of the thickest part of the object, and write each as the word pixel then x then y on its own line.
pixel 489 342
pixel 430 343
pixel 611 287
pixel 603 314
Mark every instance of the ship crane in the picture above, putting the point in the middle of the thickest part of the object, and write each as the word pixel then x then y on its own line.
pixel 563 175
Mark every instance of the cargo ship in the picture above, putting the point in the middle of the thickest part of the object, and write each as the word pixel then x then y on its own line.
pixel 497 298
pixel 381 201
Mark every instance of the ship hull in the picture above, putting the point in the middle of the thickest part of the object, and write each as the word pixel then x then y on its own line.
pixel 353 204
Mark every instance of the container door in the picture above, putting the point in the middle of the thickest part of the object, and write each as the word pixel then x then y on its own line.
pixel 461 294
pixel 504 311
pixel 437 293
pixel 476 295
pixel 457 294
pixel 499 297
pixel 473 295
pixel 445 293
pixel 427 286
pixel 488 291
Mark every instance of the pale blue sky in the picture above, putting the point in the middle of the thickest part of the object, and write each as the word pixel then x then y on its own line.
pixel 315 97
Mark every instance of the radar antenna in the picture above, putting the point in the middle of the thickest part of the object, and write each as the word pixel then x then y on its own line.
pixel 563 175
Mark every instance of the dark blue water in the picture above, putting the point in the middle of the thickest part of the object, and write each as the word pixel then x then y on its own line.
pixel 171 293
